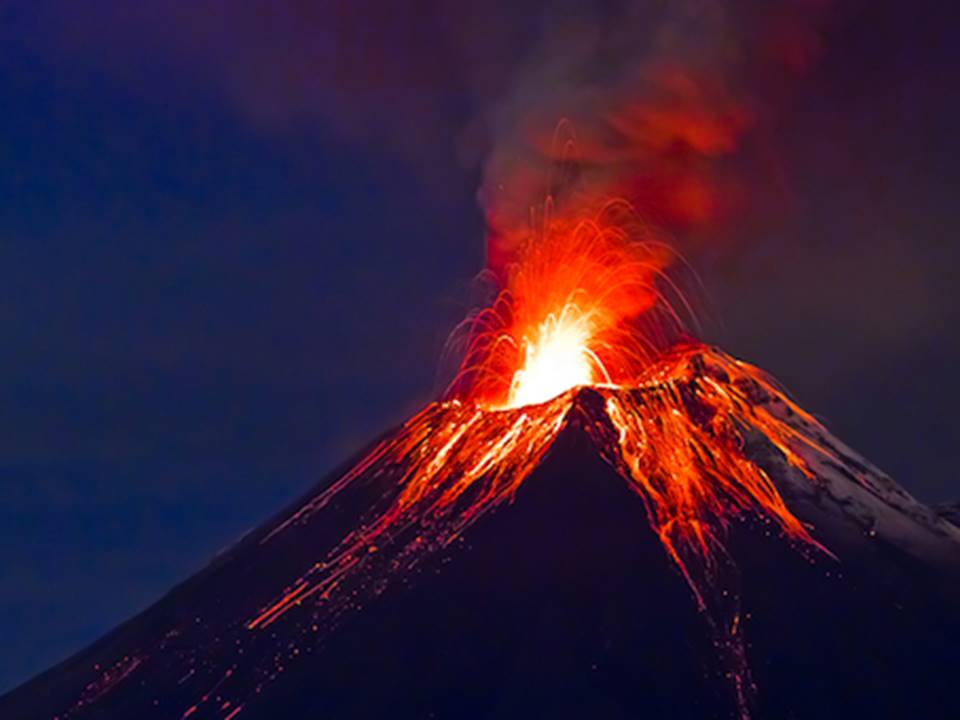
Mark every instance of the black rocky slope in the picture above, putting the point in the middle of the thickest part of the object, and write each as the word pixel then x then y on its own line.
pixel 561 605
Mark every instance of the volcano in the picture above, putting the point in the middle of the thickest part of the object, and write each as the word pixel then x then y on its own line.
pixel 693 547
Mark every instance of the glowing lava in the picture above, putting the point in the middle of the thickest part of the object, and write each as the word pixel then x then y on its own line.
pixel 570 310
pixel 557 360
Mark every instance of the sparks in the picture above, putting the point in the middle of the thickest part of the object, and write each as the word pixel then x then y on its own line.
pixel 569 311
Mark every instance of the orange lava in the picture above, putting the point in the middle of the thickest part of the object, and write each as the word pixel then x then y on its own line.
pixel 568 311
pixel 447 451
pixel 681 440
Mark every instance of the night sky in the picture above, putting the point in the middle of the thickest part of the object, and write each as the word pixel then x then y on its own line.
pixel 225 266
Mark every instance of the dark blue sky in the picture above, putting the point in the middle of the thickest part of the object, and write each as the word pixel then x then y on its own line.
pixel 203 307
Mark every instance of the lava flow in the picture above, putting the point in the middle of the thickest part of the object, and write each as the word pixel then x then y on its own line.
pixel 589 304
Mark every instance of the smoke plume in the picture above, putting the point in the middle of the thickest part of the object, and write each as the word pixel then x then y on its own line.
pixel 668 105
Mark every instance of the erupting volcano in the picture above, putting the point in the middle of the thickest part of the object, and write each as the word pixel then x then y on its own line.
pixel 396 585
pixel 601 514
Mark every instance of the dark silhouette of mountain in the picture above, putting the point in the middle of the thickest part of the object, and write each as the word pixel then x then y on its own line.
pixel 561 604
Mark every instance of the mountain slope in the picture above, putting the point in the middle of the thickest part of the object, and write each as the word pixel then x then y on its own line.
pixel 561 603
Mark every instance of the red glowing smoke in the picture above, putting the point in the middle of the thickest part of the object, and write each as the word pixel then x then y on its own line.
pixel 670 109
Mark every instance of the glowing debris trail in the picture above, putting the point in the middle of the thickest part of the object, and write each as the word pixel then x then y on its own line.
pixel 448 452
